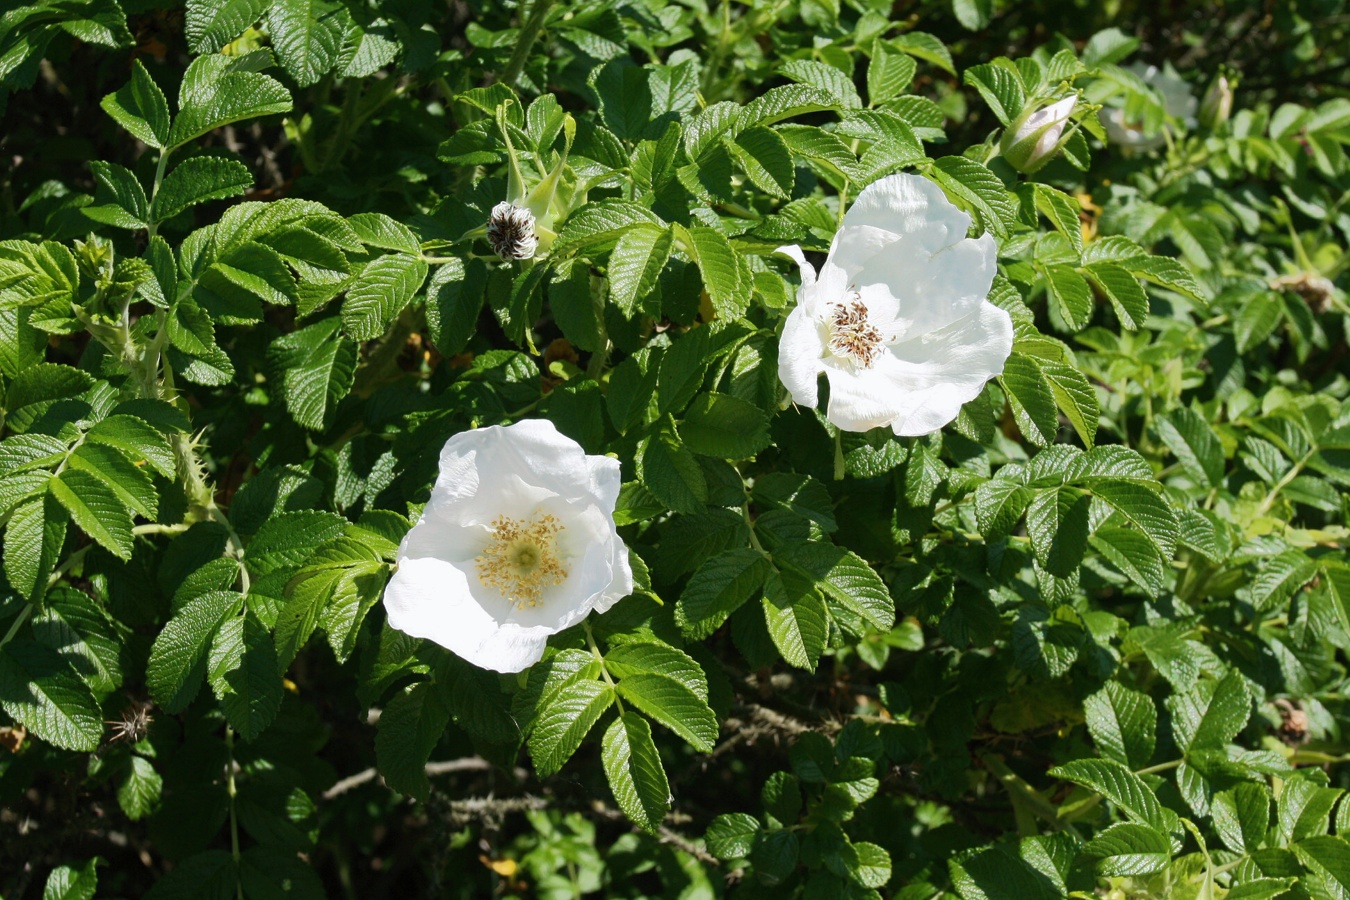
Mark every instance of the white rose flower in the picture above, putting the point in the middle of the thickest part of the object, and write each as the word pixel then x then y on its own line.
pixel 897 318
pixel 517 543
pixel 1178 102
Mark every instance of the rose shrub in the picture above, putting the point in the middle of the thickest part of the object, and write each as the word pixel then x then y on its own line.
pixel 568 448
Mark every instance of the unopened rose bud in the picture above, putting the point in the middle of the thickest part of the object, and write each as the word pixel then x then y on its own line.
pixel 1036 136
pixel 1217 105
pixel 510 231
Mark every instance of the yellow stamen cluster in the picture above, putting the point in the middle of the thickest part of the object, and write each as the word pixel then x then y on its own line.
pixel 851 334
pixel 522 558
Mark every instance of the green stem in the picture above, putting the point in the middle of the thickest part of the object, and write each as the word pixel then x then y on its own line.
pixel 839 469
pixel 154 188
pixel 529 33
pixel 600 658
pixel 18 623
pixel 1160 767
pixel 1280 485
pixel 230 789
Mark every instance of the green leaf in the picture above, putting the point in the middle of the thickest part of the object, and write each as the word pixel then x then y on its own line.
pixel 218 90
pixel 242 669
pixel 409 727
pixel 844 578
pixel 721 271
pixel 33 539
pixel 1061 209
pixel 96 508
pixel 1329 857
pixel 1134 554
pixel 889 73
pixel 1194 444
pixel 455 297
pixel 563 723
pixel 1123 724
pixel 139 107
pixel 926 47
pixel 178 658
pixel 1129 849
pixel 125 206
pixel 800 495
pixel 74 626
pixel 211 24
pixel 764 157
pixel 783 102
pixel 667 468
pixel 1280 578
pixel 724 426
pixel 318 368
pixel 1075 397
pixel 1122 787
pixel 1210 715
pixel 635 264
pixel 381 290
pixel 1000 86
pixel 1073 297
pixel 355 593
pixel 1242 816
pixel 634 770
pixel 570 299
pixel 979 188
pixel 307 36
pixel 140 790
pixel 67 883
pixel 731 835
pixel 637 657
pixel 198 180
pixel 378 230
pixel 796 618
pixel 1057 523
pixel 718 589
pixel 35 390
pixel 1144 508
pixel 1032 399
pixel 210 875
pixel 600 223
pixel 131 483
pixel 824 78
pixel 137 440
pixel 674 705
pixel 39 690
pixel 1123 291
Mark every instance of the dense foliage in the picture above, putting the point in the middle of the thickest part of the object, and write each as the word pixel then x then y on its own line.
pixel 1088 639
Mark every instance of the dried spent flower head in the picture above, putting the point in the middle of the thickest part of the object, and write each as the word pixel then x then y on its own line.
pixel 1315 290
pixel 510 231
pixel 1294 724
pixel 134 723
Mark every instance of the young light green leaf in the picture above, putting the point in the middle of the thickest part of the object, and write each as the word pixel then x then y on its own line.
pixel 69 883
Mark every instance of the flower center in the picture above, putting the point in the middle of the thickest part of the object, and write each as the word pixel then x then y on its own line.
pixel 521 559
pixel 852 335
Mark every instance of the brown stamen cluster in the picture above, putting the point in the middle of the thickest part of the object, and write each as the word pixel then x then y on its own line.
pixel 510 231
pixel 852 335
pixel 522 558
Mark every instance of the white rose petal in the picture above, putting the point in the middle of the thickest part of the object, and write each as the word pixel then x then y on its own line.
pixel 1178 103
pixel 898 318
pixel 516 543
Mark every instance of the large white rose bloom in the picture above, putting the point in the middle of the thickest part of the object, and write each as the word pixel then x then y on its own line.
pixel 1178 102
pixel 897 318
pixel 517 543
